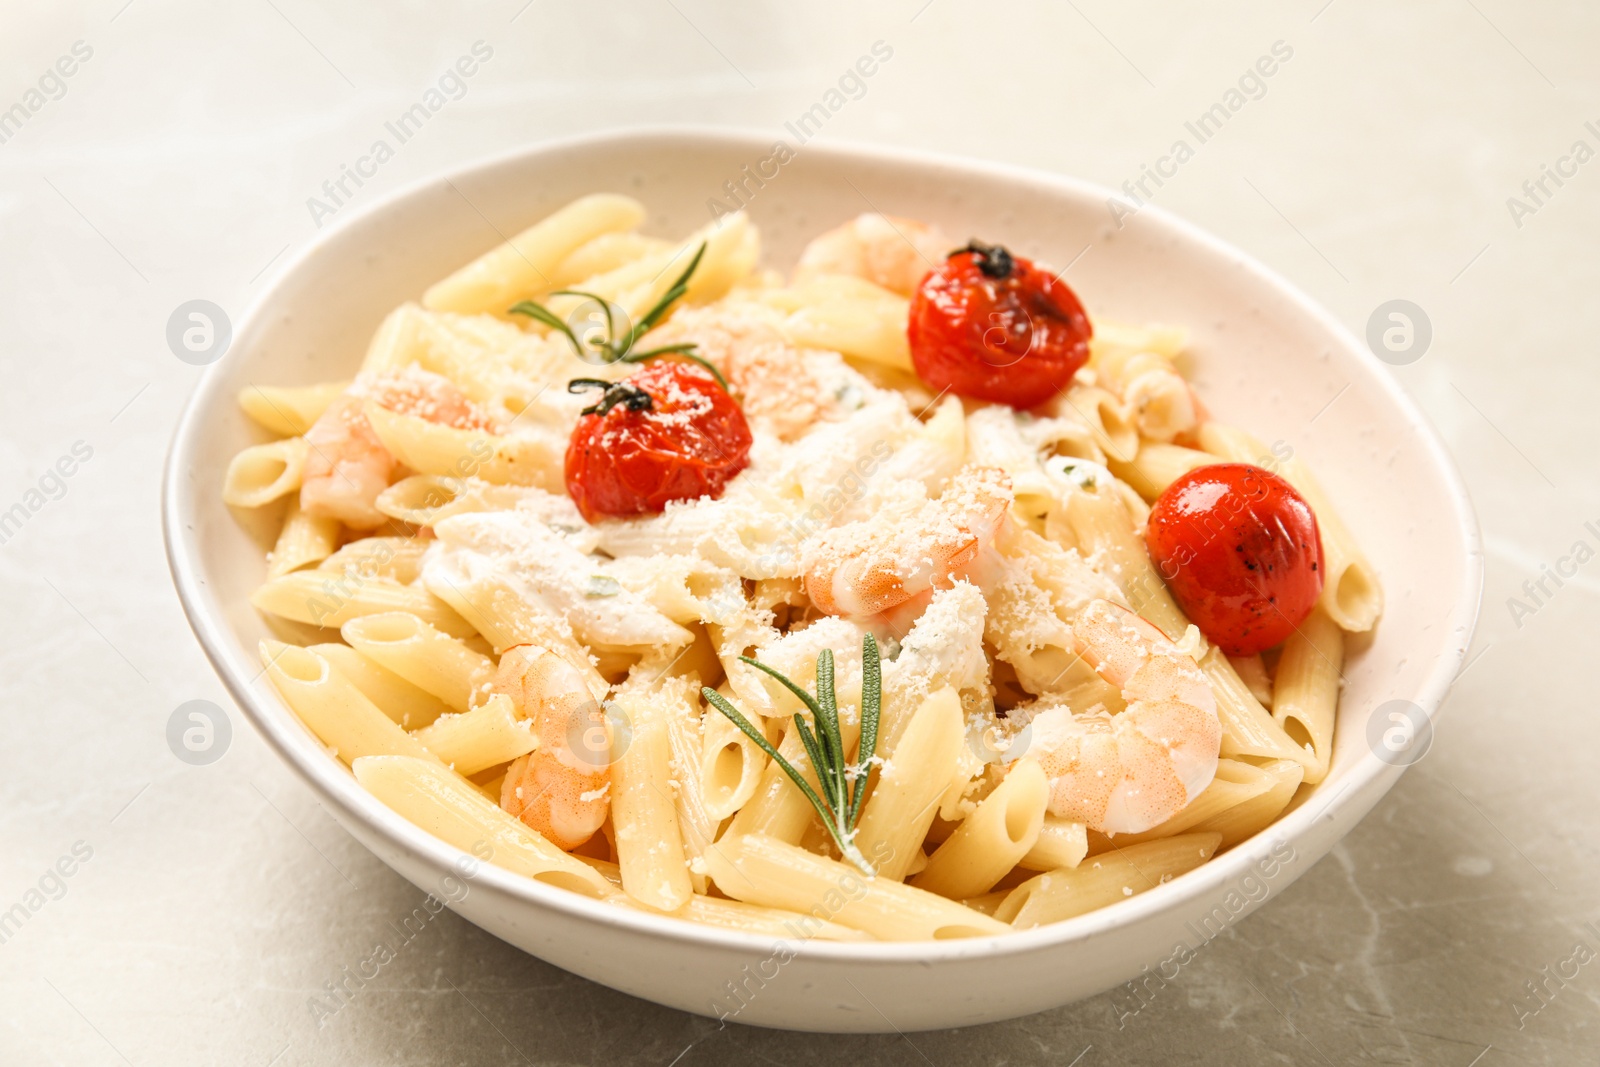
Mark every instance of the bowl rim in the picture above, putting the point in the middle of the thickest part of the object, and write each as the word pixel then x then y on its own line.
pixel 334 783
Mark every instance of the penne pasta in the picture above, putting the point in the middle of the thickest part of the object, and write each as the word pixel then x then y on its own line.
pixel 397 343
pixel 1137 365
pixel 1158 466
pixel 476 740
pixel 408 706
pixel 677 700
pixel 910 785
pixel 333 708
pixel 523 266
pixel 993 839
pixel 1105 879
pixel 428 658
pixel 1250 816
pixel 396 558
pixel 449 808
pixel 761 870
pixel 261 474
pixel 649 837
pixel 603 254
pixel 1110 423
pixel 289 410
pixel 730 767
pixel 1061 843
pixel 324 599
pixel 851 316
pixel 1307 689
pixel 303 540
pixel 431 448
pixel 428 499
pixel 751 919
pixel 1236 782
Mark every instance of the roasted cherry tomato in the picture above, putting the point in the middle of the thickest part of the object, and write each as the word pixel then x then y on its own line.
pixel 1239 548
pixel 666 432
pixel 991 326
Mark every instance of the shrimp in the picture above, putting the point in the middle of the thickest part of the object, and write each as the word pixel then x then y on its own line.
pixel 876 565
pixel 347 466
pixel 560 788
pixel 886 250
pixel 1134 770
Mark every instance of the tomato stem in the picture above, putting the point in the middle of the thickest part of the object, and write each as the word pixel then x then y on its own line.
pixel 614 393
pixel 995 261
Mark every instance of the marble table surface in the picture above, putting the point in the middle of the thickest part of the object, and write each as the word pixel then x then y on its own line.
pixel 166 150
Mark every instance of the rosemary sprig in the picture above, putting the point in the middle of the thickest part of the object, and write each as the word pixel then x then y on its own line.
pixel 616 349
pixel 843 784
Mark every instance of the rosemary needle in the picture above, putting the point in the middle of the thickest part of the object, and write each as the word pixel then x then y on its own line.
pixel 621 350
pixel 843 784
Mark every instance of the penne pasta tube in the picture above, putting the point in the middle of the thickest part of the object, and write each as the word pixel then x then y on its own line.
pixel 431 448
pixel 1235 783
pixel 484 737
pixel 449 808
pixel 426 657
pixel 1351 594
pixel 1137 364
pixel 1061 843
pixel 1158 466
pixel 852 316
pixel 398 342
pixel 1307 688
pixel 411 708
pixel 333 708
pixel 428 499
pixel 777 809
pixel 1109 421
pixel 303 540
pixel 525 264
pixel 1165 341
pixel 678 703
pixel 603 254
pixel 261 474
pixel 730 766
pixel 506 618
pixel 760 870
pixel 289 410
pixel 1104 879
pixel 993 839
pixel 1250 817
pixel 912 780
pixel 649 837
pixel 1248 729
pixel 323 599
pixel 636 286
pixel 1104 531
pixel 1252 671
pixel 398 558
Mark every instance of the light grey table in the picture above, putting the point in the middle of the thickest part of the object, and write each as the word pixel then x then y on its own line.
pixel 176 162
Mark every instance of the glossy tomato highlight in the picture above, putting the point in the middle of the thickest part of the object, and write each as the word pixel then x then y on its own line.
pixel 1240 550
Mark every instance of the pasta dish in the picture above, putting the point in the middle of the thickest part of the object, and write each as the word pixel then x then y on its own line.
pixel 889 599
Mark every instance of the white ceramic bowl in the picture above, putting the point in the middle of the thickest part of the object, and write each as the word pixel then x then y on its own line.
pixel 1267 358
